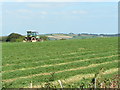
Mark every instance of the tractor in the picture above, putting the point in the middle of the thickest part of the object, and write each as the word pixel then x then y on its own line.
pixel 32 36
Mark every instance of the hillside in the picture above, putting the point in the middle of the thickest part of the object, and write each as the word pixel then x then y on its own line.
pixel 77 36
pixel 62 36
pixel 74 62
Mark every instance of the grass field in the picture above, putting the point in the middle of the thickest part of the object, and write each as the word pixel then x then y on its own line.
pixel 71 61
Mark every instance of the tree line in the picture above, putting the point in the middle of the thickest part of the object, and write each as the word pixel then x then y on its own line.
pixel 15 37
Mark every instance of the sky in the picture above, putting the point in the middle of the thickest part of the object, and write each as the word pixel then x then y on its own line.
pixel 59 0
pixel 59 17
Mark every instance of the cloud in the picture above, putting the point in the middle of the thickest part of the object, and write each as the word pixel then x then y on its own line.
pixel 70 12
pixel 38 5
pixel 45 5
pixel 18 12
pixel 59 13
pixel 78 12
pixel 23 11
pixel 59 0
pixel 43 13
pixel 27 11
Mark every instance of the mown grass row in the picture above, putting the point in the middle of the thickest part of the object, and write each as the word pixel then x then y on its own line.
pixel 19 51
pixel 32 56
pixel 23 82
pixel 59 63
pixel 85 82
pixel 54 68
pixel 35 59
pixel 55 61
pixel 41 74
pixel 27 60
pixel 23 60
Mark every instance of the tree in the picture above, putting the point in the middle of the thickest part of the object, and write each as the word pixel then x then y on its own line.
pixel 14 37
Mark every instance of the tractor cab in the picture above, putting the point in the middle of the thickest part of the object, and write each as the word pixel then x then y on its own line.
pixel 32 36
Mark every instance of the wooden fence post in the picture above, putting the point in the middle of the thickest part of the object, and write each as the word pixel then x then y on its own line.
pixel 95 82
pixel 30 84
pixel 60 83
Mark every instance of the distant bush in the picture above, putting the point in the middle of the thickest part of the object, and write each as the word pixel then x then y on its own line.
pixel 14 37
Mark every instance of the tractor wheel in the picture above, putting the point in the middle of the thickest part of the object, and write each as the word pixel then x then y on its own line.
pixel 38 40
pixel 33 39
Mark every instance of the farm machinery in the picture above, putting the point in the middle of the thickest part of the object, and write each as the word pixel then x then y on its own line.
pixel 32 36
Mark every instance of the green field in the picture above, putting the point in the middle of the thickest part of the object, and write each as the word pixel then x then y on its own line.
pixel 70 60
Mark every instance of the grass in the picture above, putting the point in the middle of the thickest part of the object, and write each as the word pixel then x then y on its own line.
pixel 26 62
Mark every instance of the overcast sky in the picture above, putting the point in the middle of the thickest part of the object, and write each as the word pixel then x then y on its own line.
pixel 59 17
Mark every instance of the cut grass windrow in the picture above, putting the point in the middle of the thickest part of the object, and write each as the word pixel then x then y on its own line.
pixel 59 76
pixel 37 60
pixel 76 78
pixel 27 60
pixel 66 56
pixel 73 69
pixel 55 61
pixel 22 73
pixel 22 69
